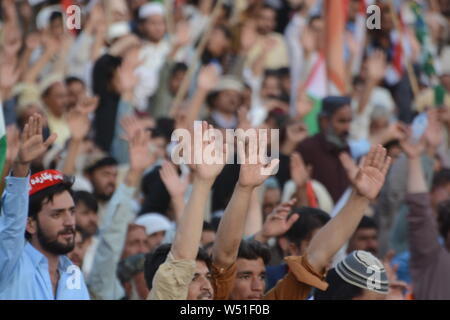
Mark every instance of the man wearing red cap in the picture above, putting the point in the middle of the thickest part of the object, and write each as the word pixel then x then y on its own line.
pixel 34 266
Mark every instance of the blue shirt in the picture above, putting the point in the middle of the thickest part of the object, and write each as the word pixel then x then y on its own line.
pixel 24 271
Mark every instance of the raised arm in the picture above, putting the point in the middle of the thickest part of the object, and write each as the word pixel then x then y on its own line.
pixel 335 233
pixel 79 125
pixel 13 217
pixel 422 229
pixel 188 235
pixel 103 282
pixel 232 224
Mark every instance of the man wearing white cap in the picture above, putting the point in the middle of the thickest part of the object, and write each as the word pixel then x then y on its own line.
pixel 156 226
pixel 152 27
pixel 224 101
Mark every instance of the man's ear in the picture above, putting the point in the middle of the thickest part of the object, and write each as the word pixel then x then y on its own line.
pixel 323 122
pixel 284 244
pixel 31 226
pixel 293 249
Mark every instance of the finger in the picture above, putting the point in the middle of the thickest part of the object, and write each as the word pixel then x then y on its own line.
pixel 381 156
pixel 386 166
pixel 370 157
pixel 50 140
pixel 39 126
pixel 292 219
pixel 272 166
pixel 25 132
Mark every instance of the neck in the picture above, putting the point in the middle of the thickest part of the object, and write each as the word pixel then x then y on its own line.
pixel 53 259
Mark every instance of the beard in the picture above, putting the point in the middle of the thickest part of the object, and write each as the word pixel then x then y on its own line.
pixel 53 245
pixel 338 141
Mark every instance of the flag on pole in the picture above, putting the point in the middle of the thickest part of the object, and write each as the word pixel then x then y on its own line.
pixel 360 35
pixel 316 89
pixel 335 22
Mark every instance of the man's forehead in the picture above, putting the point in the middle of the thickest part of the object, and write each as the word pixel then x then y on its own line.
pixel 254 266
pixel 201 267
pixel 60 201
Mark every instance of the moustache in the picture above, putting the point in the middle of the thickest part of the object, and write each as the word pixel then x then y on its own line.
pixel 66 231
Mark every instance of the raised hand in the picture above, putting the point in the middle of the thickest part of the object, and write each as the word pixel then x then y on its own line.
pixel 376 66
pixel 278 222
pixel 370 178
pixel 182 34
pixel 433 134
pixel 296 132
pixel 204 171
pixel 140 153
pixel 208 78
pixel 304 104
pixel 9 75
pixel 32 145
pixel 175 184
pixel 248 37
pixel 299 173
pixel 397 288
pixel 78 118
pixel 413 150
pixel 254 174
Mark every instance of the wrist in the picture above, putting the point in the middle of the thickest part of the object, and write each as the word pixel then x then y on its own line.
pixel 359 198
pixel 243 188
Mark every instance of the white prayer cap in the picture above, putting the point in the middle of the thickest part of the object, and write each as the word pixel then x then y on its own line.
pixel 118 30
pixel 151 9
pixel 43 17
pixel 153 222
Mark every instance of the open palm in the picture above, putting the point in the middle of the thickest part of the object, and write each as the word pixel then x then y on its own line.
pixel 32 142
pixel 370 177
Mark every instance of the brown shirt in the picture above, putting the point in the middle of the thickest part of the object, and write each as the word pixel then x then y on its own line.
pixel 296 285
pixel 327 168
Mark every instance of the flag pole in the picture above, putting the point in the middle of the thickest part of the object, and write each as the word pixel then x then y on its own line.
pixel 198 52
pixel 409 67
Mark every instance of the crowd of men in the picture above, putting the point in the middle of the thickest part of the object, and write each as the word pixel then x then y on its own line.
pixel 356 205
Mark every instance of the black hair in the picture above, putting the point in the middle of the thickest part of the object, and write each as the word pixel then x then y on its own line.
pixel 271 73
pixel 284 72
pixel 156 258
pixel 164 128
pixel 337 289
pixel 178 67
pixel 310 220
pixel 367 223
pixel 71 79
pixel 253 250
pixel 208 226
pixel 441 179
pixel 444 218
pixel 314 18
pixel 55 15
pixel 87 199
pixel 268 6
pixel 46 195
pixel 106 161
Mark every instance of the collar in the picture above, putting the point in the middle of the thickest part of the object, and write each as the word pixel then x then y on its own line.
pixel 329 147
pixel 37 258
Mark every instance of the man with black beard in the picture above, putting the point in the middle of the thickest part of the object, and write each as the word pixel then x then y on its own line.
pixel 322 150
pixel 35 267
pixel 102 173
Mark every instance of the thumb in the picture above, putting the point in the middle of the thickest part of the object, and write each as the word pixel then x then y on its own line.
pixel 292 219
pixel 50 140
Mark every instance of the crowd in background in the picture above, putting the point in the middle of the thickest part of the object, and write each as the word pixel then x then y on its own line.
pixel 362 187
